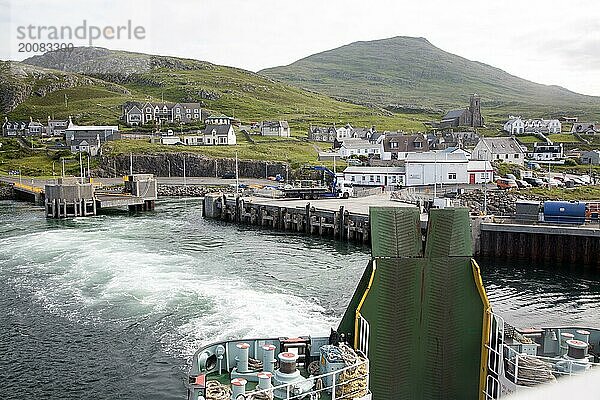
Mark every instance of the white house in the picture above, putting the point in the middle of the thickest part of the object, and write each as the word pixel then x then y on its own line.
pixel 86 145
pixel 436 167
pixel 514 125
pixel 218 135
pixel 547 152
pixel 480 171
pixel 504 149
pixel 275 128
pixel 359 147
pixel 542 125
pixel 375 176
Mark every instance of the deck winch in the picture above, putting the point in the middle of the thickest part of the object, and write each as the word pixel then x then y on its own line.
pixel 576 359
pixel 288 374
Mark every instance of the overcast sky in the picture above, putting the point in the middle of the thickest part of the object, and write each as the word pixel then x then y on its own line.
pixel 546 42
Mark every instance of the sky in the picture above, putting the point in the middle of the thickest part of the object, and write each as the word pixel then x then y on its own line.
pixel 549 42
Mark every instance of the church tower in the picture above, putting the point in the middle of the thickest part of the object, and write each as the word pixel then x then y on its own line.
pixel 475 111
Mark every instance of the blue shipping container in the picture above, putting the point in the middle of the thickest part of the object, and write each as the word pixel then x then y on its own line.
pixel 564 212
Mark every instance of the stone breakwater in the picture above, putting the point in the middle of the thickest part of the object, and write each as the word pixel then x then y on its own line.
pixel 6 192
pixel 191 190
pixel 498 202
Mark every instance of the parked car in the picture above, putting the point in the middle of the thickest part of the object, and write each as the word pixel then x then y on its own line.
pixel 511 176
pixel 535 182
pixel 228 175
pixel 551 182
pixel 504 183
pixel 522 184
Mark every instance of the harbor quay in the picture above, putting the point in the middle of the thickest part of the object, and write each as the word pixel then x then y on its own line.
pixel 348 220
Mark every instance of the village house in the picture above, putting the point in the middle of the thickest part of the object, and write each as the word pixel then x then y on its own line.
pixel 546 152
pixel 586 128
pixel 505 149
pixel 542 126
pixel 591 157
pixel 138 113
pixel 397 146
pixel 220 119
pixel 514 125
pixel 333 134
pixel 93 135
pixel 375 176
pixel 22 128
pixel 215 135
pixel 436 167
pixel 470 116
pixel 358 147
pixel 56 127
pixel 480 172
pixel 88 145
pixel 275 128
pixel 461 139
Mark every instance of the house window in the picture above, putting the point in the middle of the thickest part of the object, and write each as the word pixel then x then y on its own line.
pixel 452 176
pixel 418 145
pixel 516 156
pixel 370 178
pixel 378 179
pixel 394 145
pixel 506 156
pixel 352 178
pixel 363 177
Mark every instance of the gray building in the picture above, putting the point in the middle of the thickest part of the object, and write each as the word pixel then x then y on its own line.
pixel 591 157
pixel 275 128
pixel 138 113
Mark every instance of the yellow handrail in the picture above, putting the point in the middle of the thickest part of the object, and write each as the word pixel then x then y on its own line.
pixel 34 189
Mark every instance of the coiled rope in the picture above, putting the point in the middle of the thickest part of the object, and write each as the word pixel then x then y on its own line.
pixel 353 381
pixel 217 391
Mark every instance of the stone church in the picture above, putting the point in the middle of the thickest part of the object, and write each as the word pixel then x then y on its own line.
pixel 470 116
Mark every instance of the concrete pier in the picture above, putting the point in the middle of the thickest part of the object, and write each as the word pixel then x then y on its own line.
pixel 344 220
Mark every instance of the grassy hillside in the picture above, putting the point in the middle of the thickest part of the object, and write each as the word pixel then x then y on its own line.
pixel 411 72
pixel 245 95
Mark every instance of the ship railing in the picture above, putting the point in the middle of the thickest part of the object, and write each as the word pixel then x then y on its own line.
pixel 350 382
pixel 529 370
pixel 493 387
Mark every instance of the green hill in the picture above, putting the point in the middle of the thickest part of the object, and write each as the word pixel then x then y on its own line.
pixel 411 73
pixel 236 92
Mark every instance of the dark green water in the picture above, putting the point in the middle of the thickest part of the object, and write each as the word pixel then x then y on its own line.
pixel 112 307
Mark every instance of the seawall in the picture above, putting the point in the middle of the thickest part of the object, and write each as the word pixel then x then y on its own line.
pixel 172 164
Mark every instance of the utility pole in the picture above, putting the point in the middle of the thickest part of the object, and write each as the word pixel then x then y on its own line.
pixel 130 164
pixel 237 174
pixel 63 167
pixel 184 182
pixel 89 172
pixel 80 169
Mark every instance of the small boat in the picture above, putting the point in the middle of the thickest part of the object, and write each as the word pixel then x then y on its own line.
pixel 418 326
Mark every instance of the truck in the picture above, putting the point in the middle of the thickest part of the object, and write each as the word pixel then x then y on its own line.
pixel 310 190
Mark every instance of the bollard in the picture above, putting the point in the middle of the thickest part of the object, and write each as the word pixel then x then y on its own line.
pixel 238 387
pixel 268 358
pixel 264 380
pixel 242 359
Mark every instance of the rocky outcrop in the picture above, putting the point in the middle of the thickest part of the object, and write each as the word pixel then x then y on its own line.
pixel 171 164
pixel 20 81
